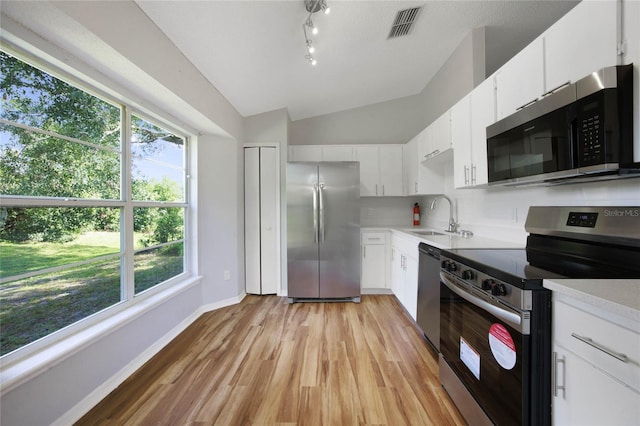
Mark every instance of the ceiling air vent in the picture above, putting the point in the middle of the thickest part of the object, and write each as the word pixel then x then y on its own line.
pixel 404 22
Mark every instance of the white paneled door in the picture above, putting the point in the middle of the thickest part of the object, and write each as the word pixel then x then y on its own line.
pixel 260 218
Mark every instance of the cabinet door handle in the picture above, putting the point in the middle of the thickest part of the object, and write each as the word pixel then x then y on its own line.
pixel 415 185
pixel 556 89
pixel 466 175
pixel 383 189
pixel 527 104
pixel 556 387
pixel 590 342
pixel 473 174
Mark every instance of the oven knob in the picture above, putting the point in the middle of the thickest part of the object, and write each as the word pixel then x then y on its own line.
pixel 467 274
pixel 498 290
pixel 452 267
pixel 444 264
pixel 487 284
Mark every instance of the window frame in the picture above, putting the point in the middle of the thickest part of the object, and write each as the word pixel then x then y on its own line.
pixel 125 204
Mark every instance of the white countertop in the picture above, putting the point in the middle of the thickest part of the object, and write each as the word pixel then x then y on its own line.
pixel 620 297
pixel 446 241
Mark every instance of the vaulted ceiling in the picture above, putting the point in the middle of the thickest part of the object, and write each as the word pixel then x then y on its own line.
pixel 254 51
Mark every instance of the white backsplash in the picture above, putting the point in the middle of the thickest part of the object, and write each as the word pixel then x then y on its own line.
pixel 387 211
pixel 496 212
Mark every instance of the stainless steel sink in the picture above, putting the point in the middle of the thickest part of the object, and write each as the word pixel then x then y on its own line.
pixel 426 232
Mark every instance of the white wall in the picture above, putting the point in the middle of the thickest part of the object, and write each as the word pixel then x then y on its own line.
pixel 220 218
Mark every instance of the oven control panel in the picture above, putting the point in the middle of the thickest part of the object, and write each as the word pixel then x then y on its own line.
pixel 491 286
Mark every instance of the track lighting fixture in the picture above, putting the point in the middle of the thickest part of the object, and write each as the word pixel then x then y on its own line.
pixel 312 7
pixel 310 47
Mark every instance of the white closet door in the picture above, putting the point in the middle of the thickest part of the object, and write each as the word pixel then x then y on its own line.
pixel 268 220
pixel 252 220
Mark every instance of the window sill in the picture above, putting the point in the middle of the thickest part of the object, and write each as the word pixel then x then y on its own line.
pixel 21 370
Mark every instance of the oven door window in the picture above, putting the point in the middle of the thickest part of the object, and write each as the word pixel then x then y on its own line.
pixel 487 355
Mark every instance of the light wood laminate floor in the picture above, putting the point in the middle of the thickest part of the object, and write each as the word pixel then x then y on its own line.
pixel 266 362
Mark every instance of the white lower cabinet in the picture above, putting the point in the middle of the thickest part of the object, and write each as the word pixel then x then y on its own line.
pixel 374 260
pixel 596 371
pixel 404 272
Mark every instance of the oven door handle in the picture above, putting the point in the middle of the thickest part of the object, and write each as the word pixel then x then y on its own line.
pixel 511 318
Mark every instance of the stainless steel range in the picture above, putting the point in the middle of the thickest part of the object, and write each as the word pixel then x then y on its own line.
pixel 495 315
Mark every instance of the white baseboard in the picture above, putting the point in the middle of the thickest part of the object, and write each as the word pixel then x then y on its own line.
pixel 376 291
pixel 101 392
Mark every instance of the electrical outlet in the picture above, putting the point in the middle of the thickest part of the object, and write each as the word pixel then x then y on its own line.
pixel 227 275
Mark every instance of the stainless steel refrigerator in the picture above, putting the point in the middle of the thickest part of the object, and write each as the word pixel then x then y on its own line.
pixel 323 230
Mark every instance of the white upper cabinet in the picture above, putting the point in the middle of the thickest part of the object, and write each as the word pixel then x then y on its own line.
pixel 410 166
pixel 321 153
pixel 469 120
pixel 581 42
pixel 369 156
pixel 337 153
pixel 380 165
pixel 483 114
pixel 436 138
pixel 380 170
pixel 422 178
pixel 521 80
pixel 391 169
pixel 305 153
pixel 461 140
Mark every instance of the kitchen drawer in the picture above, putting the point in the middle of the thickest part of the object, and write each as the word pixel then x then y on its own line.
pixel 611 337
pixel 373 238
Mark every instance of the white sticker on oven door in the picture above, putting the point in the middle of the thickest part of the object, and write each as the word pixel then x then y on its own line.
pixel 470 358
pixel 502 346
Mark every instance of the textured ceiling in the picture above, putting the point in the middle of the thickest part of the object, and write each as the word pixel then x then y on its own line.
pixel 253 51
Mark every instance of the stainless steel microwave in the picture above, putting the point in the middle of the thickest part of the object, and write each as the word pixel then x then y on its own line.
pixel 583 130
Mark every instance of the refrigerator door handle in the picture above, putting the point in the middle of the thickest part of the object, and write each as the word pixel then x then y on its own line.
pixel 321 192
pixel 315 213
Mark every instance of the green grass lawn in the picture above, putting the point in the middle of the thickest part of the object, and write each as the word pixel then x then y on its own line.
pixel 34 307
pixel 16 259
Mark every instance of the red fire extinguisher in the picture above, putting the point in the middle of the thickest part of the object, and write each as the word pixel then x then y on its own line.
pixel 416 214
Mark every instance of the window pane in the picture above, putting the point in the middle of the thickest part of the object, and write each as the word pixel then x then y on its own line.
pixel 34 164
pixel 156 265
pixel 34 98
pixel 35 307
pixel 86 231
pixel 158 160
pixel 157 225
pixel 35 239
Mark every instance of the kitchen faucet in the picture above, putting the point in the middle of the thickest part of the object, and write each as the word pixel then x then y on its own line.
pixel 453 225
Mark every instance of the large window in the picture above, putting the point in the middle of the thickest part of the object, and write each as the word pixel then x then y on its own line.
pixel 93 201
